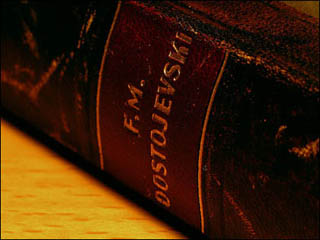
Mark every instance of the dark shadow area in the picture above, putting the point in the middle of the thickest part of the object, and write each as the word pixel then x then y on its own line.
pixel 103 177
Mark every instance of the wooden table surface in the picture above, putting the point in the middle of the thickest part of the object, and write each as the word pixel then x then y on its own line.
pixel 45 196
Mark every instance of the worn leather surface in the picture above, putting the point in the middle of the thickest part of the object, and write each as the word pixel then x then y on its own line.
pixel 263 138
pixel 139 49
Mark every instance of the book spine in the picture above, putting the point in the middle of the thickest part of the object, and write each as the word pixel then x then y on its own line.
pixel 154 87
pixel 171 99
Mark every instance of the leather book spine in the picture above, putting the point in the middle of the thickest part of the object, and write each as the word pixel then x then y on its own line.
pixel 207 108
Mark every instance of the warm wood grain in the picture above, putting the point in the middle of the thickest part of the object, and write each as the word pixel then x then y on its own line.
pixel 44 196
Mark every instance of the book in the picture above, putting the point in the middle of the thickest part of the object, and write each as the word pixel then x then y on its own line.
pixel 210 109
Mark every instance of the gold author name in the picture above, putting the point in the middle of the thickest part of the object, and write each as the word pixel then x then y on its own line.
pixel 161 111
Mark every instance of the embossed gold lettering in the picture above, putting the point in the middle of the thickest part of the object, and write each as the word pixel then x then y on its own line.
pixel 162 198
pixel 159 182
pixel 184 38
pixel 128 123
pixel 161 106
pixel 134 101
pixel 174 69
pixel 158 119
pixel 178 53
pixel 168 90
pixel 158 137
pixel 157 167
pixel 155 153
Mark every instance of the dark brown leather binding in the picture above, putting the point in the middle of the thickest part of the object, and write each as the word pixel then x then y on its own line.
pixel 208 108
